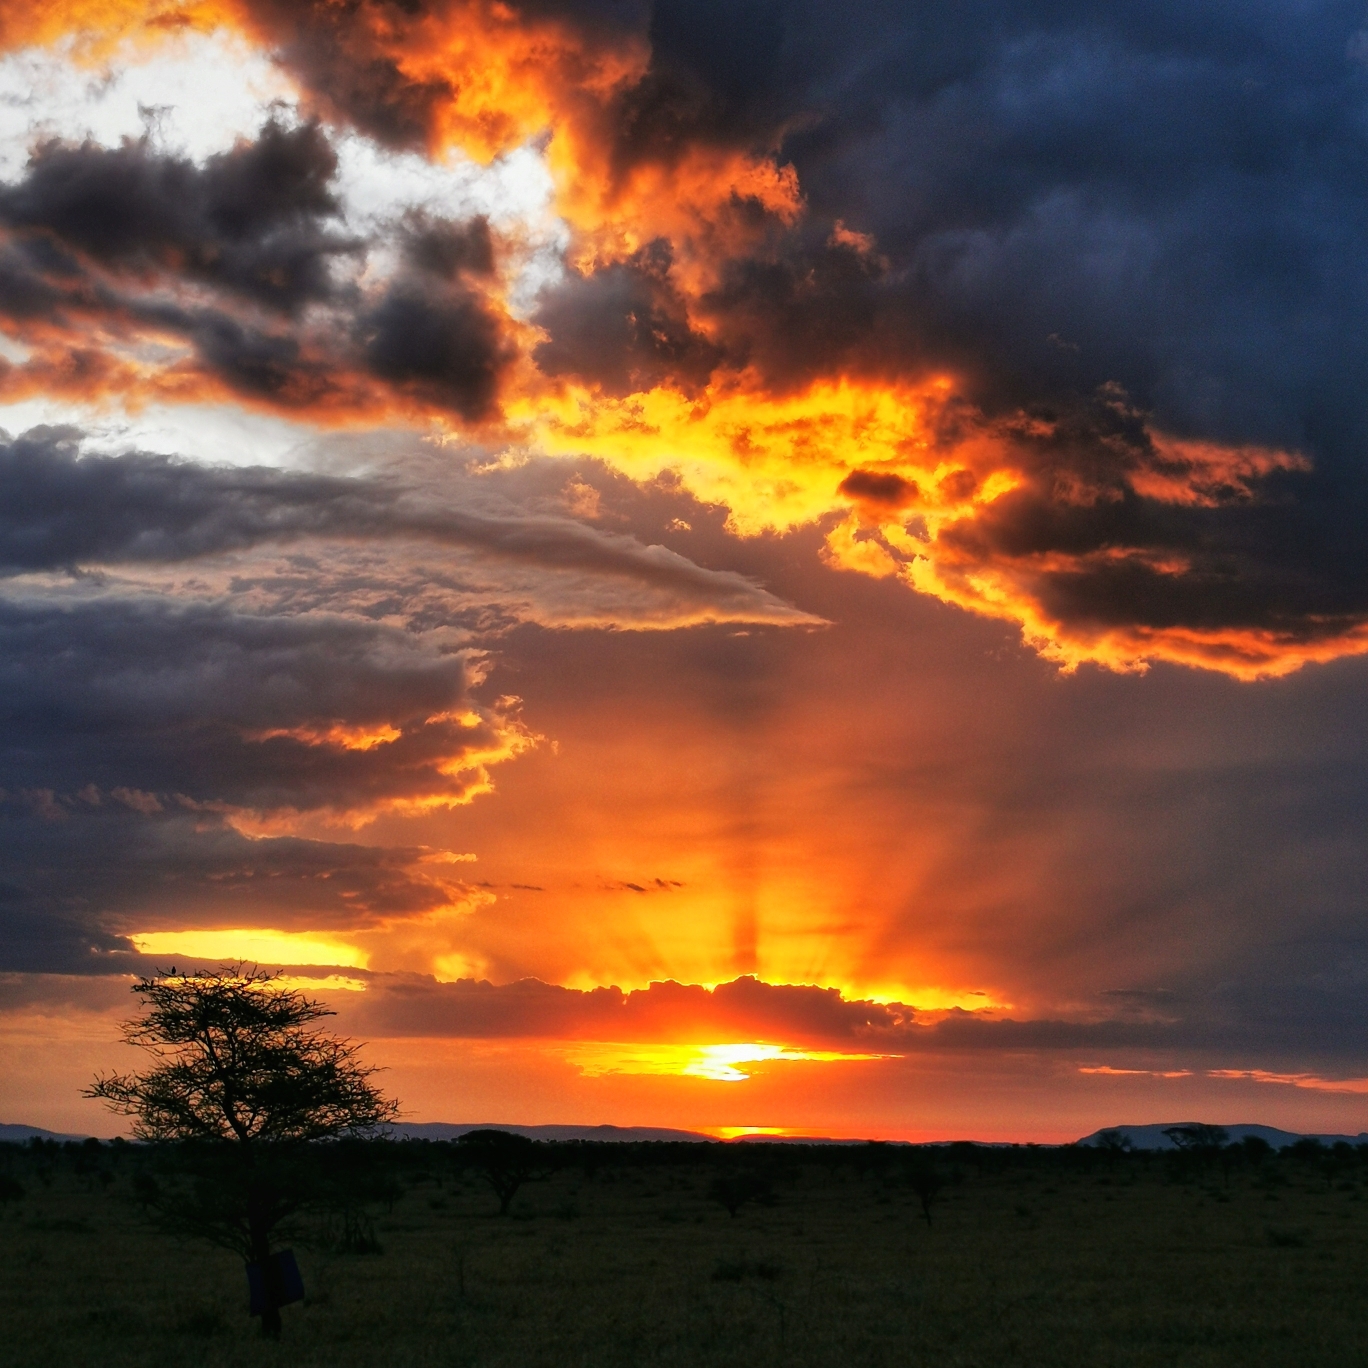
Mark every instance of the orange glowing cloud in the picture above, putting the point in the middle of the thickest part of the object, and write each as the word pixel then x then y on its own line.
pixel 1294 1080
pixel 915 477
pixel 483 78
pixel 1107 1071
pixel 96 27
pixel 338 734
pixel 478 76
pixel 1053 528
pixel 775 462
pixel 442 763
pixel 1206 474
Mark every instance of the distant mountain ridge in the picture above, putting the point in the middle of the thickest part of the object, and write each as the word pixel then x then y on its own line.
pixel 1152 1137
pixel 439 1130
pixel 1147 1137
pixel 18 1135
pixel 450 1130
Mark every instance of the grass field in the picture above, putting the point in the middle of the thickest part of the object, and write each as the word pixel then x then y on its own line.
pixel 1033 1258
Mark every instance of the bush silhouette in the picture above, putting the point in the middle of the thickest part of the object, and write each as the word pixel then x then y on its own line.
pixel 734 1190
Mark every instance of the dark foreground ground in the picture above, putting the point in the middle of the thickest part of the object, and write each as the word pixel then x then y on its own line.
pixel 1032 1258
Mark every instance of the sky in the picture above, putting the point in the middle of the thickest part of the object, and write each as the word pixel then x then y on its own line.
pixel 732 565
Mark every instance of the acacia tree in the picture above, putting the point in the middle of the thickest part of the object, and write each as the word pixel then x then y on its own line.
pixel 506 1159
pixel 243 1078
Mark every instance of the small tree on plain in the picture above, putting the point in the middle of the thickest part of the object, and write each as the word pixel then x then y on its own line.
pixel 924 1180
pixel 507 1161
pixel 734 1190
pixel 1114 1143
pixel 243 1078
pixel 1200 1145
pixel 1197 1139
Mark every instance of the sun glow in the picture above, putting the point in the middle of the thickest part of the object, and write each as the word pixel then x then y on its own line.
pixel 329 983
pixel 743 1132
pixel 257 946
pixel 717 1063
pixel 938 999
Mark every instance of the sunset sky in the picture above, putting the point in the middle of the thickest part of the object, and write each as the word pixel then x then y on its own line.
pixel 707 563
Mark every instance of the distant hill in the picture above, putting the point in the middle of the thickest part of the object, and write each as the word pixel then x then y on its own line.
pixel 1149 1137
pixel 1153 1137
pixel 448 1130
pixel 18 1135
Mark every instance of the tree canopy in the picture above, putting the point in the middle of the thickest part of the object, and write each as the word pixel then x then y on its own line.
pixel 240 1058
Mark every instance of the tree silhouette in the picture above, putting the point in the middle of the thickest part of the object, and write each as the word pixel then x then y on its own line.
pixel 734 1190
pixel 506 1160
pixel 243 1080
pixel 1197 1139
pixel 1114 1143
pixel 926 1182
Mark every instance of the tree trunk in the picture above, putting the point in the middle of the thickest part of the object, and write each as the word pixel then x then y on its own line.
pixel 257 1215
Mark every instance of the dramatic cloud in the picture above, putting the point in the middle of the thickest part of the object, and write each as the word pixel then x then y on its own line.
pixel 530 326
pixel 624 328
pixel 82 873
pixel 249 220
pixel 790 1015
pixel 62 510
pixel 236 275
pixel 236 711
pixel 175 699
pixel 786 211
pixel 743 1010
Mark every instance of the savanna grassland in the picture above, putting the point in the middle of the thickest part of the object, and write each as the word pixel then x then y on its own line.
pixel 624 1255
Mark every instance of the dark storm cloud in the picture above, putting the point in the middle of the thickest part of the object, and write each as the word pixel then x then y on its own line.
pixel 711 63
pixel 60 509
pixel 124 661
pixel 255 363
pixel 222 707
pixel 446 350
pixel 1178 195
pixel 329 48
pixel 73 886
pixel 745 1009
pixel 815 306
pixel 624 327
pixel 443 248
pixel 1062 201
pixel 1258 551
pixel 1215 1030
pixel 431 335
pixel 879 487
pixel 251 220
pixel 99 238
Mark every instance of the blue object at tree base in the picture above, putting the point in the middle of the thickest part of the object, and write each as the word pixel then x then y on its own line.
pixel 285 1282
